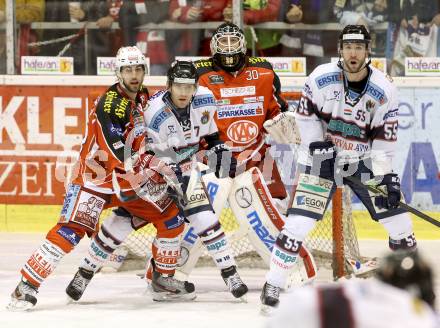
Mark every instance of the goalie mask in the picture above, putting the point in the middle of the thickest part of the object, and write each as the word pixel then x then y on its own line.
pixel 354 35
pixel 410 272
pixel 129 56
pixel 228 47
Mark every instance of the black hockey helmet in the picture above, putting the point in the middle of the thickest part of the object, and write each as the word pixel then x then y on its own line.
pixel 354 33
pixel 409 271
pixel 182 71
pixel 228 47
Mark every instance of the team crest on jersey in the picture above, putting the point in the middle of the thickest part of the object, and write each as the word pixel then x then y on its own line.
pixel 243 131
pixel 205 117
pixel 216 79
pixel 369 105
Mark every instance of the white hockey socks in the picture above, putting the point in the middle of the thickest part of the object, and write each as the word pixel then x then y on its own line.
pixel 286 249
pixel 42 263
pixel 213 237
pixel 100 249
pixel 217 245
pixel 114 230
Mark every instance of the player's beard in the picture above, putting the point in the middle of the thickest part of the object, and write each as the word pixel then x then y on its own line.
pixel 131 88
pixel 354 68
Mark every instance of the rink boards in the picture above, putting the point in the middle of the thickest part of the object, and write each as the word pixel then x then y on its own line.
pixel 42 126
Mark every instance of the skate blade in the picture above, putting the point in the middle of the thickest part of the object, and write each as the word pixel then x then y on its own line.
pixel 19 306
pixel 267 310
pixel 243 298
pixel 171 297
pixel 69 300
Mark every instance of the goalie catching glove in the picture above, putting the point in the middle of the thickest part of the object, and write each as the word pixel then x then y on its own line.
pixel 283 129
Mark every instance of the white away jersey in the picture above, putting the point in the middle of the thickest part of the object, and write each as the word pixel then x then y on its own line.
pixel 357 123
pixel 179 141
pixel 356 303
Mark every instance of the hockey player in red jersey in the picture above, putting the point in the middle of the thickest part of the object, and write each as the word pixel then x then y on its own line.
pixel 249 104
pixel 114 135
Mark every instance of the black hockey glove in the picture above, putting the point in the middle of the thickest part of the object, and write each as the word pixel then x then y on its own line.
pixel 391 182
pixel 323 158
pixel 180 180
pixel 221 160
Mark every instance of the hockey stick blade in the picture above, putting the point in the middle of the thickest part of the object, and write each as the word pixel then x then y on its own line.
pixel 401 204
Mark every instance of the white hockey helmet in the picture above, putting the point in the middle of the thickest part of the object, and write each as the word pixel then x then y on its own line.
pixel 129 56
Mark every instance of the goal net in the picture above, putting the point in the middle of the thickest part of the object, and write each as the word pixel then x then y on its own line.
pixel 333 242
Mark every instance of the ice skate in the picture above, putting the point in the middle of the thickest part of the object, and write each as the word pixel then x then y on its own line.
pixel 24 297
pixel 270 298
pixel 79 283
pixel 232 279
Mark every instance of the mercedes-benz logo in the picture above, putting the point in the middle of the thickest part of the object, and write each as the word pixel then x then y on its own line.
pixel 243 196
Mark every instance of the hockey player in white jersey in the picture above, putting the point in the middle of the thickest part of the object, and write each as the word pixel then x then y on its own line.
pixel 401 295
pixel 347 119
pixel 180 120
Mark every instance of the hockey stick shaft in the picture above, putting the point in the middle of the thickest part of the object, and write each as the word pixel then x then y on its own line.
pixel 401 204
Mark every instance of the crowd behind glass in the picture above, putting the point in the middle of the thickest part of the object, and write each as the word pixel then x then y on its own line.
pixel 411 29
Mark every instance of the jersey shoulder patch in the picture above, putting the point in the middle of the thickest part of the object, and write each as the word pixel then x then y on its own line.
pixel 113 104
pixel 204 66
pixel 259 62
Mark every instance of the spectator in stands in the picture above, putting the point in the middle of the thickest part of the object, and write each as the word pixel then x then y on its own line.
pixel 194 42
pixel 26 11
pixel 60 11
pixel 254 12
pixel 368 13
pixel 103 42
pixel 152 43
pixel 100 43
pixel 317 46
pixel 418 32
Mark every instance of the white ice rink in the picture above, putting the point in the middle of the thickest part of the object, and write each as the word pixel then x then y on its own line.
pixel 119 299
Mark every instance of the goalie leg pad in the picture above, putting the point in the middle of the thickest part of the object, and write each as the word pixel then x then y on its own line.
pixel 198 200
pixel 311 196
pixel 256 212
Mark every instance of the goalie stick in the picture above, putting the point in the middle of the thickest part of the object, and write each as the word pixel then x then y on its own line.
pixel 403 205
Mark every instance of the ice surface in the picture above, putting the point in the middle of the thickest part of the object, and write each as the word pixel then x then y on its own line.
pixel 120 299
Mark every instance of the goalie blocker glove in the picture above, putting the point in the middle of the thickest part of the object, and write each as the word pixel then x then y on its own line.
pixel 391 200
pixel 323 158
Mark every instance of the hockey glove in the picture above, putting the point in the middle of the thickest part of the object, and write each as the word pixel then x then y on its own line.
pixel 323 158
pixel 391 182
pixel 221 160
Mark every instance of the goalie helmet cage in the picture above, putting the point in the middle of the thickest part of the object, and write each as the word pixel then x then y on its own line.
pixel 333 241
